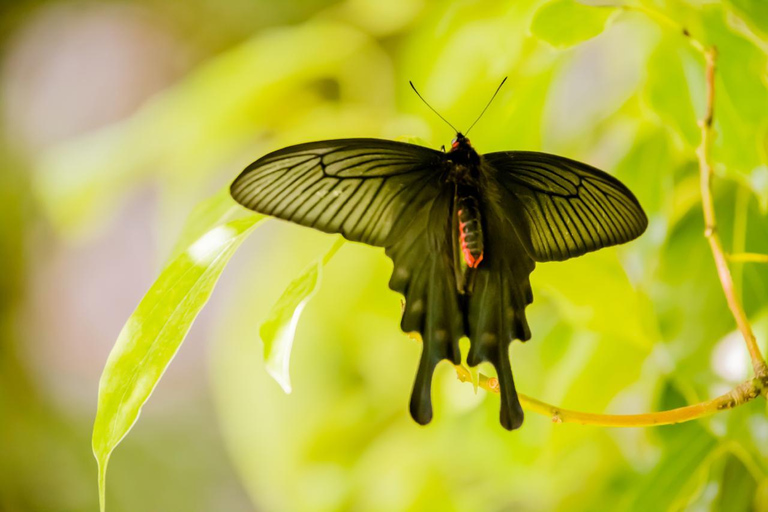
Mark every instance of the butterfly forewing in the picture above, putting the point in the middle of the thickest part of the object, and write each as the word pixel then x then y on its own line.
pixel 565 208
pixel 357 187
pixel 382 193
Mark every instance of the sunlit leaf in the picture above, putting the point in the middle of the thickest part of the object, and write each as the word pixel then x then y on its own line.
pixel 650 152
pixel 279 330
pixel 154 332
pixel 677 478
pixel 668 94
pixel 753 12
pixel 758 182
pixel 737 488
pixel 215 210
pixel 739 102
pixel 576 287
pixel 761 497
pixel 564 23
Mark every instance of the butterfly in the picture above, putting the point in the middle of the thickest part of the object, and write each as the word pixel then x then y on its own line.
pixel 463 230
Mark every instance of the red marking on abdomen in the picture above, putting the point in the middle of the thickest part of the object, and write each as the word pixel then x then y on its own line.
pixel 470 260
pixel 472 251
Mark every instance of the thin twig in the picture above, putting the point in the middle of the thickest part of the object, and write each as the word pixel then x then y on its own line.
pixel 748 257
pixel 710 222
pixel 742 394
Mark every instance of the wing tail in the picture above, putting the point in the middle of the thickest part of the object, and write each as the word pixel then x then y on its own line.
pixel 497 312
pixel 423 273
pixel 511 411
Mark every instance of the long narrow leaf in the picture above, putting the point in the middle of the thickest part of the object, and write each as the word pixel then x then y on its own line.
pixel 154 332
pixel 279 330
pixel 565 23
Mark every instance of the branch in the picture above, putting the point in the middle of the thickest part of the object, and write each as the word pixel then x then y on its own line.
pixel 710 223
pixel 743 393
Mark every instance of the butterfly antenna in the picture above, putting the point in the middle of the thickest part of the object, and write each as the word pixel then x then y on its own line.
pixel 430 107
pixel 486 107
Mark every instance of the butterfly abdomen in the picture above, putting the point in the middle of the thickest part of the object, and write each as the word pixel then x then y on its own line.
pixel 470 230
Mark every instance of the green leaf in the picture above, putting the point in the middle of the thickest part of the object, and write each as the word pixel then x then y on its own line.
pixel 737 488
pixel 753 12
pixel 667 91
pixel 761 497
pixel 215 210
pixel 677 478
pixel 279 330
pixel 564 23
pixel 740 103
pixel 758 182
pixel 156 329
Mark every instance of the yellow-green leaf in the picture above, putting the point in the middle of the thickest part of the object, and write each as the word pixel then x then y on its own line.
pixel 217 209
pixel 667 91
pixel 156 329
pixel 279 330
pixel 753 12
pixel 564 23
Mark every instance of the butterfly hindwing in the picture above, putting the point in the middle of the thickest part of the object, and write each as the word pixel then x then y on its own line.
pixel 356 187
pixel 423 273
pixel 564 208
pixel 496 308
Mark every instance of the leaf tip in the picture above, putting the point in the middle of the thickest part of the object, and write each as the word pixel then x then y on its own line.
pixel 281 376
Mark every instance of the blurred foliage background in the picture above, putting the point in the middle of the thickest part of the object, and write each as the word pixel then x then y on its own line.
pixel 118 117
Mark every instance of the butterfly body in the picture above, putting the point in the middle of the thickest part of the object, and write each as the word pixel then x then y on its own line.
pixel 463 230
pixel 470 228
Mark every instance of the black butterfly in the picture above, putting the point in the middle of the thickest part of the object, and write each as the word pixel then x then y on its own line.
pixel 463 231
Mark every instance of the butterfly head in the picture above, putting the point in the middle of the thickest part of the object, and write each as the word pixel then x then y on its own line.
pixel 462 153
pixel 460 142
